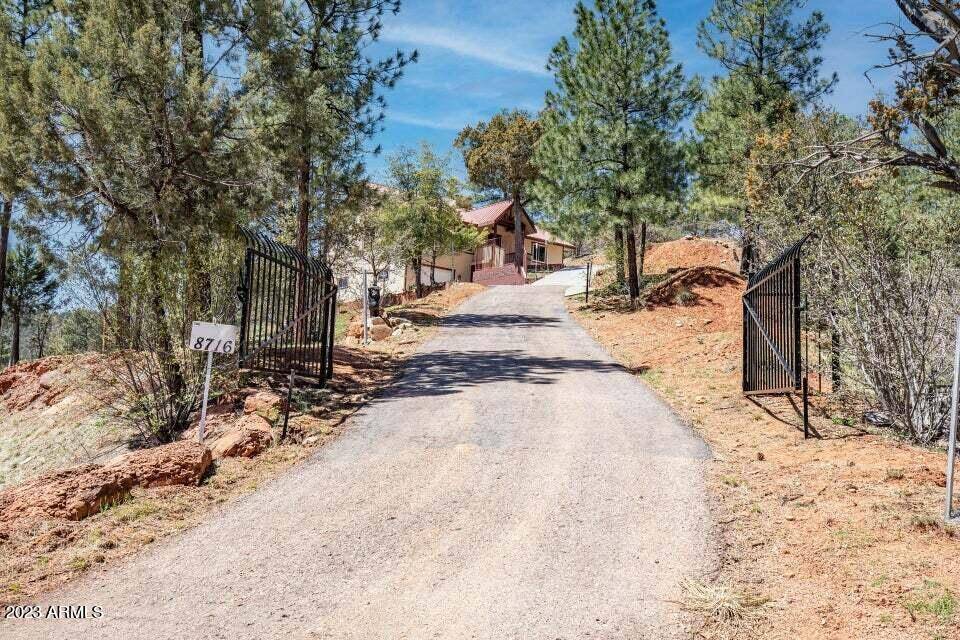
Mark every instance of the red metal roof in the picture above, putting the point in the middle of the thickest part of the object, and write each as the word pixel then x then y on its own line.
pixel 488 215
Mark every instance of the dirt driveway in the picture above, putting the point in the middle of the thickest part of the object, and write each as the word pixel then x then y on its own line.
pixel 516 483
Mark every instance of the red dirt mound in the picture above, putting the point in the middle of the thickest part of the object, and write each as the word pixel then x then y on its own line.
pixel 689 280
pixel 691 252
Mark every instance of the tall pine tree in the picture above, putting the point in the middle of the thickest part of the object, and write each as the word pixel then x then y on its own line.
pixel 319 95
pixel 611 127
pixel 499 159
pixel 143 147
pixel 22 24
pixel 773 70
pixel 30 289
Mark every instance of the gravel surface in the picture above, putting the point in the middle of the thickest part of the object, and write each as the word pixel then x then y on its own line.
pixel 516 483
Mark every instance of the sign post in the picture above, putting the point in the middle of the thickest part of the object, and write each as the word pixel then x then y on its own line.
pixel 212 338
pixel 589 273
pixel 952 443
pixel 366 312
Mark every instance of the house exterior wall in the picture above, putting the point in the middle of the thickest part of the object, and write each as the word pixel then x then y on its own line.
pixel 458 267
pixel 350 274
pixel 450 268
pixel 554 253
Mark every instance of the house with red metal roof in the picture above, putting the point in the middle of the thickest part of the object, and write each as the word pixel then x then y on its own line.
pixel 493 262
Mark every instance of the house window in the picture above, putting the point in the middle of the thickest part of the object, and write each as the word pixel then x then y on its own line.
pixel 538 253
pixel 494 238
pixel 343 283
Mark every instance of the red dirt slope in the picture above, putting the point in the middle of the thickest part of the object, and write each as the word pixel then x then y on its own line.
pixel 691 252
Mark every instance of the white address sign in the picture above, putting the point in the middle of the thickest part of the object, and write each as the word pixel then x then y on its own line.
pixel 216 338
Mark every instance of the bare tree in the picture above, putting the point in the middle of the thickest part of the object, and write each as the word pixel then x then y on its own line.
pixel 926 97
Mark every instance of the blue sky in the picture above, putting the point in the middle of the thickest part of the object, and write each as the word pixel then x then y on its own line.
pixel 480 56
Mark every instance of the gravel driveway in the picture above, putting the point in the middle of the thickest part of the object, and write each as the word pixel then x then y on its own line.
pixel 516 483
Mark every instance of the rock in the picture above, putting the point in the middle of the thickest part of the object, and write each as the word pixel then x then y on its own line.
pixel 51 379
pixel 380 332
pixel 250 436
pixel 877 418
pixel 679 323
pixel 377 321
pixel 81 491
pixel 355 329
pixel 71 494
pixel 220 417
pixel 177 463
pixel 266 404
pixel 397 332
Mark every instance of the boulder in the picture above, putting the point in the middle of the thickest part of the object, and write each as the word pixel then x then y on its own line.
pixel 264 403
pixel 182 462
pixel 220 417
pixel 71 494
pixel 380 332
pixel 81 491
pixel 251 435
pixel 355 330
pixel 52 379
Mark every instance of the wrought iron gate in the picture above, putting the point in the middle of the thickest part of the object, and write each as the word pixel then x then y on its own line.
pixel 772 361
pixel 289 311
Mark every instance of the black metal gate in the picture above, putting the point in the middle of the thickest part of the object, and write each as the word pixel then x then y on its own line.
pixel 772 303
pixel 289 311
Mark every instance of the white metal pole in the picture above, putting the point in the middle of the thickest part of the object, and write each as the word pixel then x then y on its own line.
pixel 952 444
pixel 206 395
pixel 366 311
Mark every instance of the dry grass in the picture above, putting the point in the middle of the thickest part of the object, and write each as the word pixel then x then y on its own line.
pixel 47 428
pixel 725 610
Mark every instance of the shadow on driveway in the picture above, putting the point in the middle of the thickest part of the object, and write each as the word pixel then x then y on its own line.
pixel 477 320
pixel 448 372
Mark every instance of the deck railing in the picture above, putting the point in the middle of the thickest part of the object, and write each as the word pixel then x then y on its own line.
pixel 488 256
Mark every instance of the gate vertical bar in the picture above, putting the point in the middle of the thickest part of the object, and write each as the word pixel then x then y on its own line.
pixel 795 301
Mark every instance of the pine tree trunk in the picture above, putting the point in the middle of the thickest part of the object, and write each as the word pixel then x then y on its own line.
pixel 643 244
pixel 5 214
pixel 303 202
pixel 417 279
pixel 304 173
pixel 433 268
pixel 123 333
pixel 747 257
pixel 619 254
pixel 173 380
pixel 632 278
pixel 199 287
pixel 517 233
pixel 15 340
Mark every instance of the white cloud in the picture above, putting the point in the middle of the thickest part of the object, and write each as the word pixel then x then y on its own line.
pixel 487 48
pixel 450 122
